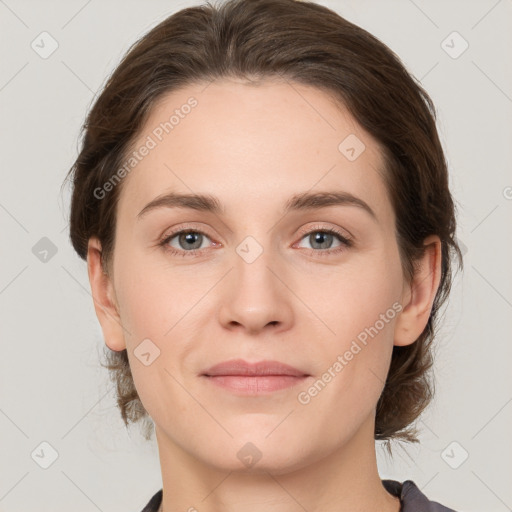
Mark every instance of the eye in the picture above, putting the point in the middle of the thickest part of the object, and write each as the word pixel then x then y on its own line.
pixel 189 242
pixel 322 238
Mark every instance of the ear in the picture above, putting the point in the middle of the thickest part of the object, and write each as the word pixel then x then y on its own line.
pixel 418 296
pixel 103 295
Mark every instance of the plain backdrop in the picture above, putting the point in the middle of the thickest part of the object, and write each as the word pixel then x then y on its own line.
pixel 52 388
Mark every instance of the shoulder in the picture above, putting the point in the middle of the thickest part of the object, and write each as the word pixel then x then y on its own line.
pixel 412 499
pixel 154 503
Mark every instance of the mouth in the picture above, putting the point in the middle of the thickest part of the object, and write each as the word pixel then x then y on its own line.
pixel 255 385
pixel 245 378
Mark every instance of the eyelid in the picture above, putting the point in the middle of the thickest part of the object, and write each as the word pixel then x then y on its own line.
pixel 179 229
pixel 343 233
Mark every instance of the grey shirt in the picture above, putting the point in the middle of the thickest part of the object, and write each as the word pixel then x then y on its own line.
pixel 411 498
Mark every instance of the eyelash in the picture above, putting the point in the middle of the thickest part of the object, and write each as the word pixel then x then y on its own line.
pixel 346 242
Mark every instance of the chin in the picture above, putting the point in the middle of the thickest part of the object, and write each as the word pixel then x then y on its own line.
pixel 249 459
pixel 255 451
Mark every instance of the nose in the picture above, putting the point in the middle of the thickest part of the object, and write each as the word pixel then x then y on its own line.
pixel 255 295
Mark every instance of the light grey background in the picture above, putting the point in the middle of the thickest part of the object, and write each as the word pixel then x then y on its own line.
pixel 52 388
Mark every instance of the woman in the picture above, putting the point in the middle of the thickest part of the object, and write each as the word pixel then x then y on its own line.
pixel 262 200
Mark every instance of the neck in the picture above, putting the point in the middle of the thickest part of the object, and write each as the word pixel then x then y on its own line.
pixel 345 480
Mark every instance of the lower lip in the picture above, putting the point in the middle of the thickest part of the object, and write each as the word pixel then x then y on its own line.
pixel 255 385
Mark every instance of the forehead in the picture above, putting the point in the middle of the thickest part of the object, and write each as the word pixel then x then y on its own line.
pixel 253 146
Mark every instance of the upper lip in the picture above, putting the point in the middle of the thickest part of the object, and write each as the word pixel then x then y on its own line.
pixel 241 367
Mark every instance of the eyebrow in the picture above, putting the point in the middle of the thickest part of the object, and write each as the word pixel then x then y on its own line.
pixel 299 202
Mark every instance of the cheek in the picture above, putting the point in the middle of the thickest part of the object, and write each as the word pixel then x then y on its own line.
pixel 360 306
pixel 353 297
pixel 154 309
pixel 149 298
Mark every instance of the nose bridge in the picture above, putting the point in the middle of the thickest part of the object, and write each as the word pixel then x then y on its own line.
pixel 258 255
pixel 255 247
pixel 254 258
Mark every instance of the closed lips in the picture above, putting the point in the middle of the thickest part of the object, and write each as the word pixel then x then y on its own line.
pixel 262 368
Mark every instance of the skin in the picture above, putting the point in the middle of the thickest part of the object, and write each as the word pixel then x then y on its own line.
pixel 254 146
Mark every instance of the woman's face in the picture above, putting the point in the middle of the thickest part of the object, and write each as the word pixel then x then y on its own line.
pixel 266 281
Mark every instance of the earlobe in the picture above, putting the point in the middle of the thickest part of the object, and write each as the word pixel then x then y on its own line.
pixel 419 296
pixel 103 294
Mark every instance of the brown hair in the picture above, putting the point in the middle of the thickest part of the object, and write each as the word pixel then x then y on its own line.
pixel 301 42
